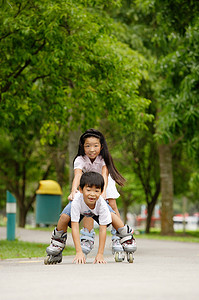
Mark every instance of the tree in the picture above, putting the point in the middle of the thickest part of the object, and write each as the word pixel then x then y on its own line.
pixel 56 76
pixel 23 163
pixel 136 155
pixel 178 116
pixel 166 33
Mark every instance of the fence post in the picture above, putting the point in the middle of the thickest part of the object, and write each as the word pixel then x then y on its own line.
pixel 11 216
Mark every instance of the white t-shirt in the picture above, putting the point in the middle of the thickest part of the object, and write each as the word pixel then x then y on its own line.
pixel 79 207
pixel 84 163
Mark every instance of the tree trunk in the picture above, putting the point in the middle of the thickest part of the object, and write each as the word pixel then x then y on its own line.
pixel 150 208
pixel 60 161
pixel 166 178
pixel 72 150
pixel 22 217
pixel 125 207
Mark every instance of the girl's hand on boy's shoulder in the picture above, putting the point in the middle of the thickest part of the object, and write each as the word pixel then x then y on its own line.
pixel 79 258
pixel 72 195
pixel 99 259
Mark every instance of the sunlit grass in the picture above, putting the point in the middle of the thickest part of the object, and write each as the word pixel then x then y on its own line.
pixel 19 249
pixel 178 236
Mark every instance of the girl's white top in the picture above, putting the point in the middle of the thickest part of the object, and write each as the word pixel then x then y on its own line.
pixel 84 163
pixel 79 207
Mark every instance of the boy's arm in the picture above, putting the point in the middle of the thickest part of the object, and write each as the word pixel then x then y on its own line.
pixel 80 257
pixel 99 259
pixel 75 184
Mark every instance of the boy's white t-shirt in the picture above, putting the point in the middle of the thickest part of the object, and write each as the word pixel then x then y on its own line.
pixel 101 210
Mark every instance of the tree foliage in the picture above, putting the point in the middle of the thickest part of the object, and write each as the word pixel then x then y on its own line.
pixel 57 57
pixel 166 34
pixel 61 69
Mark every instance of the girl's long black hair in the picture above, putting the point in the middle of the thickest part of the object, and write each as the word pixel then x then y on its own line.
pixel 104 153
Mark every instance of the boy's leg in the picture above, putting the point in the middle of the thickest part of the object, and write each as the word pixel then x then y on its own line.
pixel 63 222
pixel 58 238
pixel 87 237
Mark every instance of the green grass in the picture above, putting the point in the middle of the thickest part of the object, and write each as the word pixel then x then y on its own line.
pixel 19 249
pixel 178 236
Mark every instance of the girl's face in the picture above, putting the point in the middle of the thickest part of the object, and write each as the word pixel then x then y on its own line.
pixel 92 147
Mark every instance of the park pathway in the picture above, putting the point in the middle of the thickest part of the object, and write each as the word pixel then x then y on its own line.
pixel 162 270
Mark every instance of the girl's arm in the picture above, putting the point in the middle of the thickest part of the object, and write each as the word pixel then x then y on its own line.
pixel 75 184
pixel 105 175
pixel 80 257
pixel 99 259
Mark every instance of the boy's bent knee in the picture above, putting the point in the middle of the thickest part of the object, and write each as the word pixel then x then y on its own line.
pixel 63 222
pixel 64 218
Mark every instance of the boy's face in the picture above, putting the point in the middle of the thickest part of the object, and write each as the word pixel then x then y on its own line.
pixel 91 195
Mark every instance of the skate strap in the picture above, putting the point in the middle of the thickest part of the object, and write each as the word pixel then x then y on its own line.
pixel 86 238
pixel 87 233
pixel 129 229
pixel 59 235
pixel 126 238
pixel 115 237
pixel 56 243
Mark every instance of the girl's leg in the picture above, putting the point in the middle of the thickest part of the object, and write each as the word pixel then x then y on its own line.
pixel 87 237
pixel 116 221
pixel 113 205
pixel 125 233
pixel 116 246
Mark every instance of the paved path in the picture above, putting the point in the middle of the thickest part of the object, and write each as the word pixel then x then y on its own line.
pixel 28 235
pixel 162 270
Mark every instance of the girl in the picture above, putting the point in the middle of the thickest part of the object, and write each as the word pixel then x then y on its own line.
pixel 93 155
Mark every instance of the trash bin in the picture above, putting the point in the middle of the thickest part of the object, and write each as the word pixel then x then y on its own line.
pixel 48 202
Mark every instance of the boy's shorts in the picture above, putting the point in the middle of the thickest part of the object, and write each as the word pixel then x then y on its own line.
pixel 67 211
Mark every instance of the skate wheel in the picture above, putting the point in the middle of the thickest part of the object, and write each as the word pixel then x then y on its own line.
pixel 130 257
pixel 46 260
pixel 58 261
pixel 118 257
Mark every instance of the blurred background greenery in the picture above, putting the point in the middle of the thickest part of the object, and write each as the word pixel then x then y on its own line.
pixel 128 68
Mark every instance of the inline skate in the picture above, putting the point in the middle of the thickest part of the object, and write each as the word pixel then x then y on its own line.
pixel 117 249
pixel 87 240
pixel 128 242
pixel 57 245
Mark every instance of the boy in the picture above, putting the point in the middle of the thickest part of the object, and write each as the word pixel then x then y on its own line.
pixel 87 202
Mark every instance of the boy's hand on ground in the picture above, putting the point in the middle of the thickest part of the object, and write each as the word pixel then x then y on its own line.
pixel 99 259
pixel 79 258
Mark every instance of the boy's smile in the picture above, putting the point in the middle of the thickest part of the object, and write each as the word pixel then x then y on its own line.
pixel 91 195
